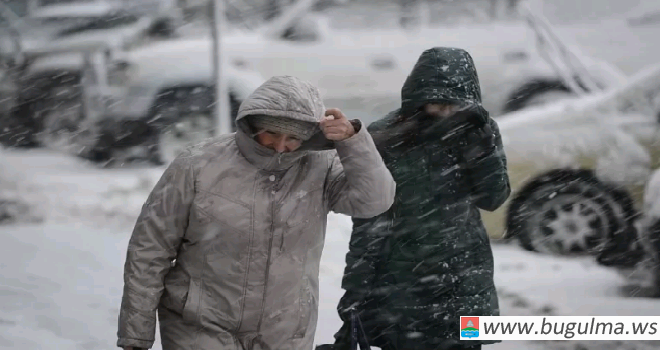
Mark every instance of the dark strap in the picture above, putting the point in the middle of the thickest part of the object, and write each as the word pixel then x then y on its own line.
pixel 358 337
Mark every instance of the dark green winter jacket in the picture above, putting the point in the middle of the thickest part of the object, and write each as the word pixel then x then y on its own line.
pixel 428 260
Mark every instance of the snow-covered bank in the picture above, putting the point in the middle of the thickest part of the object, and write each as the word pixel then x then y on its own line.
pixel 67 189
pixel 61 286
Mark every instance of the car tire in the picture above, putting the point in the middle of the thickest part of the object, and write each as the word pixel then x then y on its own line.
pixel 164 28
pixel 532 92
pixel 566 212
pixel 17 132
pixel 650 250
pixel 61 124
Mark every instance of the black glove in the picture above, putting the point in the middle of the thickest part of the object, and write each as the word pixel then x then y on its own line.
pixel 351 301
pixel 479 140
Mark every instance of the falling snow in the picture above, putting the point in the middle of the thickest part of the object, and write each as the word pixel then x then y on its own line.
pixel 65 221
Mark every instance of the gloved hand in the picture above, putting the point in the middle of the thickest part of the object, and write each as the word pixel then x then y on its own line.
pixel 351 300
pixel 479 140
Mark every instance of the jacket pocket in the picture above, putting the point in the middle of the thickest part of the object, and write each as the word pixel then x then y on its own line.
pixel 191 308
pixel 303 207
pixel 175 293
pixel 307 305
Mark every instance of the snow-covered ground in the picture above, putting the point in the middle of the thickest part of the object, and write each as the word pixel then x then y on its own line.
pixel 61 279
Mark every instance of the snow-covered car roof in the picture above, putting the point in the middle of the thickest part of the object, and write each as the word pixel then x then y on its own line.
pixel 178 61
pixel 77 9
pixel 579 11
pixel 593 124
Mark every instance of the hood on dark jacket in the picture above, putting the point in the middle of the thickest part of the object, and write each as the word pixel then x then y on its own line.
pixel 441 75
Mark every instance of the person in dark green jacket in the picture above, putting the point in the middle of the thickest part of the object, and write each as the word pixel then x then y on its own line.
pixel 414 270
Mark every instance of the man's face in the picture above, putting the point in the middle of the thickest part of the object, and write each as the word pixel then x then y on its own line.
pixel 441 110
pixel 281 143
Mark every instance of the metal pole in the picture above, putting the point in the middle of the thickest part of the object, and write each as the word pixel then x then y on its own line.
pixel 221 110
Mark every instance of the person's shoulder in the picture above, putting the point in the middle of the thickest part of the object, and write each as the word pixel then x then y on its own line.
pixel 383 123
pixel 208 150
pixel 381 130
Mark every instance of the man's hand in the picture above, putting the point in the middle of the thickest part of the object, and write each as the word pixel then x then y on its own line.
pixel 336 126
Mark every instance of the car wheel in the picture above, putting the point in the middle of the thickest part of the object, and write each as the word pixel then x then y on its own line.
pixel 565 211
pixel 16 132
pixel 535 93
pixel 163 29
pixel 63 129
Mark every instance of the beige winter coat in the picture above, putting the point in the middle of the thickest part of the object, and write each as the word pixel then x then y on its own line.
pixel 228 245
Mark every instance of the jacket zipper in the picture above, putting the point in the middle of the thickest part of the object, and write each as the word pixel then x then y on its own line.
pixel 279 161
pixel 270 249
pixel 270 245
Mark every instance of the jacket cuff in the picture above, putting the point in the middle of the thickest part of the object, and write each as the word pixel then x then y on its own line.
pixel 357 125
pixel 358 148
pixel 136 343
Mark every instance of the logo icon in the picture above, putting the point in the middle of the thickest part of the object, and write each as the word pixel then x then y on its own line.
pixel 469 327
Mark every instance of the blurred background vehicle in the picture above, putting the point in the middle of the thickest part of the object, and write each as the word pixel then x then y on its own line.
pixel 581 169
pixel 46 84
pixel 169 101
pixel 581 173
pixel 162 17
pixel 376 51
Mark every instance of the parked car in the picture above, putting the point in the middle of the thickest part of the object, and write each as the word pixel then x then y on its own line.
pixel 579 166
pixel 357 64
pixel 70 22
pixel 162 17
pixel 166 15
pixel 169 102
pixel 370 64
pixel 38 84
pixel 578 169
pixel 581 173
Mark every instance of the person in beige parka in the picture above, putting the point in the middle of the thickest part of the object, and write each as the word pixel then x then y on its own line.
pixel 228 245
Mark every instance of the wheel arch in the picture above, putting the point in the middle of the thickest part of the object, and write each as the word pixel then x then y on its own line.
pixel 519 97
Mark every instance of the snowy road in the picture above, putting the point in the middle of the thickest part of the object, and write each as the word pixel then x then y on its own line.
pixel 61 280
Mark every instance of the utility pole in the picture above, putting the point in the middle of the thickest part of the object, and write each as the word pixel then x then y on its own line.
pixel 222 118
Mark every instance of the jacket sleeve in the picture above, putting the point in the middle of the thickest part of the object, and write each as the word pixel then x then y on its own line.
pixel 364 251
pixel 358 183
pixel 489 176
pixel 152 247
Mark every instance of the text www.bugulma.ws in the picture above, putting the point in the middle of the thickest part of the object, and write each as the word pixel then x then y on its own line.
pixel 570 329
